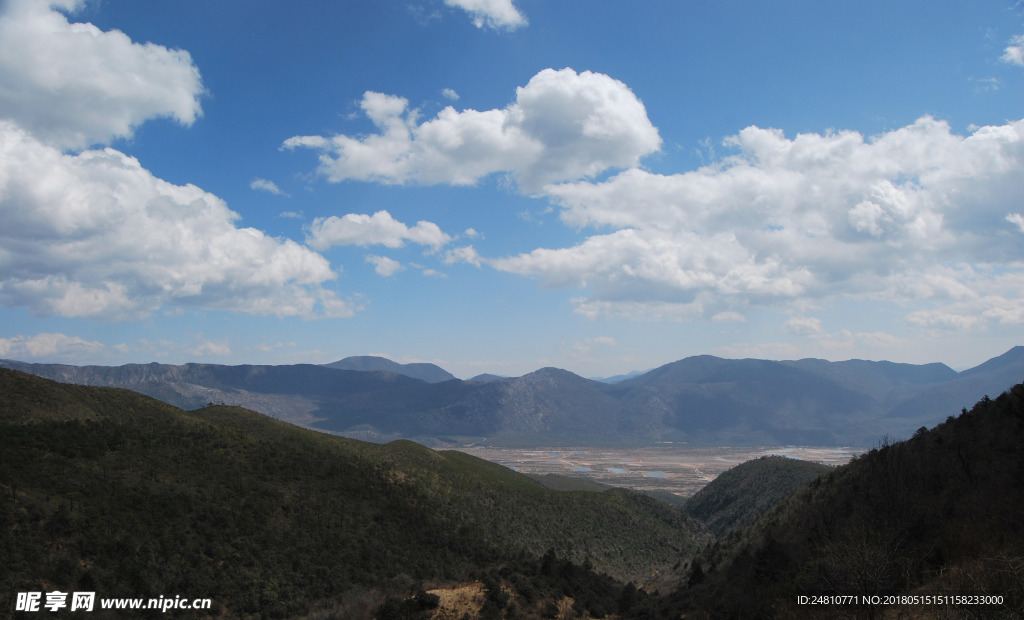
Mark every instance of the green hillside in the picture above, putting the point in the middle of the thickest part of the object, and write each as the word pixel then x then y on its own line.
pixel 106 490
pixel 941 514
pixel 738 495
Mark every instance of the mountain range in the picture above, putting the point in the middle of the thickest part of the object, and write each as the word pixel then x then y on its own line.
pixel 697 400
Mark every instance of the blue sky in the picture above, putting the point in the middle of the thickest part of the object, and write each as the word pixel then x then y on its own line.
pixel 498 186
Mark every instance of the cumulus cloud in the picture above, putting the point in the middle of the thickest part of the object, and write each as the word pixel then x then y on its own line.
pixel 48 346
pixel 1014 52
pixel 384 266
pixel 449 93
pixel 562 126
pixel 784 220
pixel 97 235
pixel 93 233
pixel 497 14
pixel 463 254
pixel 377 229
pixel 73 85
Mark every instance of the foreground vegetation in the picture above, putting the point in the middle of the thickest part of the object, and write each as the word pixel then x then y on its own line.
pixel 941 515
pixel 106 490
pixel 739 495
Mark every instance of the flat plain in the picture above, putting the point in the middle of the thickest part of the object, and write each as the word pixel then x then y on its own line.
pixel 674 468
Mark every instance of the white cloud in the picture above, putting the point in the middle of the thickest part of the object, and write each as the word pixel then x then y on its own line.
pixel 96 235
pixel 48 346
pixel 211 348
pixel 383 265
pixel 984 294
pixel 463 254
pixel 449 93
pixel 72 85
pixel 804 326
pixel 642 265
pixel 1016 219
pixel 471 233
pixel 1014 52
pixel 942 319
pixel 986 84
pixel 562 126
pixel 729 317
pixel 841 340
pixel 266 186
pixel 788 221
pixel 497 14
pixel 645 310
pixel 377 229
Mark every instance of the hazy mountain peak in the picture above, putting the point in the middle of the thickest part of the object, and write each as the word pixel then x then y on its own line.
pixel 431 373
pixel 485 377
pixel 1013 357
pixel 552 374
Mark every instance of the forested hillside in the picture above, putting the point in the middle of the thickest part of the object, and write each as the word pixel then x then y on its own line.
pixel 738 495
pixel 939 514
pixel 105 490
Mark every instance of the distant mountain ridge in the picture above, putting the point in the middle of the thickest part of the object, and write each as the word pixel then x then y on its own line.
pixel 431 373
pixel 698 400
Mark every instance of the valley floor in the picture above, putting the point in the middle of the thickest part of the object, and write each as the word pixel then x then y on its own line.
pixel 674 468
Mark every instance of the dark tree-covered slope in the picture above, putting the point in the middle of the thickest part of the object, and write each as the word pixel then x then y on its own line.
pixel 939 514
pixel 106 490
pixel 737 496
